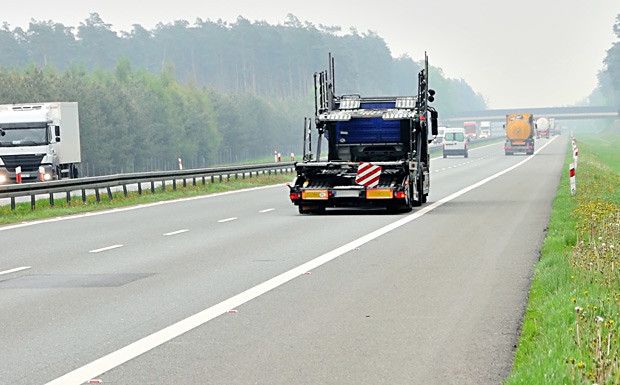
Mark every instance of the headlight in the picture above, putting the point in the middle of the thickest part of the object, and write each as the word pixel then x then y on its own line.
pixel 3 179
pixel 47 176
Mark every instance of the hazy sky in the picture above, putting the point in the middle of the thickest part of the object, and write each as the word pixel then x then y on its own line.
pixel 526 53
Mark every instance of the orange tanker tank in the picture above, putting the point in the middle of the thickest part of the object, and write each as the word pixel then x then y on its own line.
pixel 519 133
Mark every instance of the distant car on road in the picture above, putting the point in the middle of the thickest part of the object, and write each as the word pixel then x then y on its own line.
pixel 454 142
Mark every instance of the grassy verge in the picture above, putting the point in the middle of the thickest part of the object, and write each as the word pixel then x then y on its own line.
pixel 23 212
pixel 570 330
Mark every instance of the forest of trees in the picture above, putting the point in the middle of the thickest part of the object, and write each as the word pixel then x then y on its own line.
pixel 608 91
pixel 210 93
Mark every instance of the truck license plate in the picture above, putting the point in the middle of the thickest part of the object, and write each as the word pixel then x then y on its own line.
pixel 346 193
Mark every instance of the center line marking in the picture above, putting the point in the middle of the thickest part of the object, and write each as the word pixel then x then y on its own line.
pixel 266 210
pixel 176 232
pixel 227 220
pixel 105 248
pixel 15 270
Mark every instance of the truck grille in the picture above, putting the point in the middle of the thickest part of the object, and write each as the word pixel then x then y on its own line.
pixel 28 163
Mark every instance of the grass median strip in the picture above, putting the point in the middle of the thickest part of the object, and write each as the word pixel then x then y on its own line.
pixel 43 210
pixel 570 330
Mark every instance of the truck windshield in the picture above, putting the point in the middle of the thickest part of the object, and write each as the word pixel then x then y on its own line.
pixel 24 136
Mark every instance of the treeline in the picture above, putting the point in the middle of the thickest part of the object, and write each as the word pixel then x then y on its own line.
pixel 131 120
pixel 210 93
pixel 608 91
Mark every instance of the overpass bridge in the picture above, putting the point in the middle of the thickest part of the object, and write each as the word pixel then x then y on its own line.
pixel 559 113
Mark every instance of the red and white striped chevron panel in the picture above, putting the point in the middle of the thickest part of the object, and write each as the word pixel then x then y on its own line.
pixel 368 175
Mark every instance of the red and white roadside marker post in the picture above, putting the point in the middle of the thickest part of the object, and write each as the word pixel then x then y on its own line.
pixel 18 174
pixel 180 164
pixel 275 156
pixel 292 157
pixel 573 182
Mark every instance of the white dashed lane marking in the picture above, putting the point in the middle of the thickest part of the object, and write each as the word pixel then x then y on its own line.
pixel 105 248
pixel 176 232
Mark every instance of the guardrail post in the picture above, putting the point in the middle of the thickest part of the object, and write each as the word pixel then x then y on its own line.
pixel 139 188
pixel 184 183
pixel 174 184
pixel 125 190
pixel 51 199
pixel 194 181
pixel 163 185
pixel 220 178
pixel 152 187
pixel 109 193
pixel 97 197
pixel 68 197
pixel 84 195
pixel 33 203
pixel 204 182
pixel 12 203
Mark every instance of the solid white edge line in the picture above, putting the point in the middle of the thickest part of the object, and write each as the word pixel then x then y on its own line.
pixel 227 219
pixel 118 357
pixel 105 248
pixel 15 270
pixel 176 232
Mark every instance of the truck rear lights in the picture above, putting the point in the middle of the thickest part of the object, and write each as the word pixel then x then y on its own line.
pixel 294 196
pixel 400 194
pixel 315 194
pixel 379 193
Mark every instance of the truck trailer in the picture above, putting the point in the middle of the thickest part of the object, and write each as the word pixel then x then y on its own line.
pixel 519 133
pixel 377 149
pixel 543 126
pixel 39 141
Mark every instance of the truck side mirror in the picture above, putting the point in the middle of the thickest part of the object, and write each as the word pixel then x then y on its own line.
pixel 57 133
pixel 434 116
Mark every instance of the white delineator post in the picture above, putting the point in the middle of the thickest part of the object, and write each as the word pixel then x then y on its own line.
pixel 573 182
pixel 275 156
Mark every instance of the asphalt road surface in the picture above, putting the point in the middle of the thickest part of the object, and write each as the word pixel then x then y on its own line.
pixel 238 288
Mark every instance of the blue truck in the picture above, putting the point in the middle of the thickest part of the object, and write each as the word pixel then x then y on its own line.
pixel 377 155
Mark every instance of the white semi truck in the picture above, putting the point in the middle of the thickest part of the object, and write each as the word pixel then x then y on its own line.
pixel 39 141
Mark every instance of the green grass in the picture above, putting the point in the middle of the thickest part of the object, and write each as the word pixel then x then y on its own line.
pixel 43 210
pixel 558 345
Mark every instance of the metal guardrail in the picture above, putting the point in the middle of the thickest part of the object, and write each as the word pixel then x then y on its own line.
pixel 108 181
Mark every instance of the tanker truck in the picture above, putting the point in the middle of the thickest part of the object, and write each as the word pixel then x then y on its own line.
pixel 519 133
pixel 542 127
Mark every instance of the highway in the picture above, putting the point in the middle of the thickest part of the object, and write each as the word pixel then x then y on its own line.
pixel 238 288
